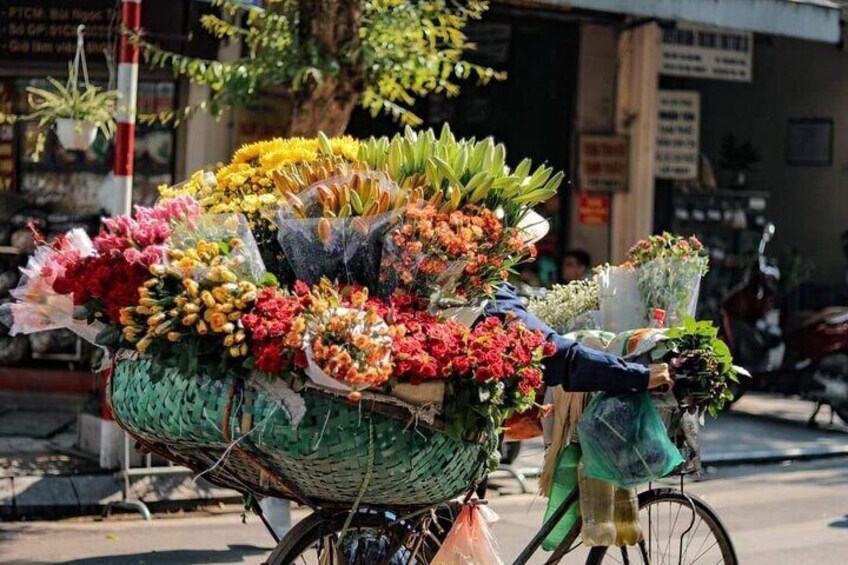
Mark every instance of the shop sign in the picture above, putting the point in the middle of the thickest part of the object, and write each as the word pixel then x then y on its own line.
pixel 46 31
pixel 678 134
pixel 593 210
pixel 7 138
pixel 689 50
pixel 602 163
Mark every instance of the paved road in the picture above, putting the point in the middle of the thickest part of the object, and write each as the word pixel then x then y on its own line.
pixel 778 514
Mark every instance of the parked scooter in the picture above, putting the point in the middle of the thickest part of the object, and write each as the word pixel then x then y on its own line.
pixel 814 363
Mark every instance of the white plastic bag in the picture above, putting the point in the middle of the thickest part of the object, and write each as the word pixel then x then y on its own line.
pixel 621 304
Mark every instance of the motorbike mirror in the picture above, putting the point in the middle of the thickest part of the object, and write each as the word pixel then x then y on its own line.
pixel 768 231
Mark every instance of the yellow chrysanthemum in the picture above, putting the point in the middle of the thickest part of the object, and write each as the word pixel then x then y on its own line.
pixel 246 185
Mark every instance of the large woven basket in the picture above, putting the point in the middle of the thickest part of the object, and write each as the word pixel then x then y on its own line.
pixel 239 437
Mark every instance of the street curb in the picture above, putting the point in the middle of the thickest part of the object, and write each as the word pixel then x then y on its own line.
pixel 774 456
pixel 63 496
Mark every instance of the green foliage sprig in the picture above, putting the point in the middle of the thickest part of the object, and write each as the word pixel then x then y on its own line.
pixel 702 365
pixel 401 51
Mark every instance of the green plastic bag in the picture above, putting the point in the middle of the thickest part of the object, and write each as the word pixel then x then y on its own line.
pixel 564 482
pixel 624 440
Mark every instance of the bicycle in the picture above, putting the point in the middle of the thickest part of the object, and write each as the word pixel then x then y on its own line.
pixel 678 528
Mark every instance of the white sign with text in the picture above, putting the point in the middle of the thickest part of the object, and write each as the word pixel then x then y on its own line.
pixel 689 50
pixel 678 134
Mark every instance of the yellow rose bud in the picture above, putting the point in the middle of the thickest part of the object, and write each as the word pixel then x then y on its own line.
pixel 162 328
pixel 174 336
pixel 189 320
pixel 220 294
pixel 149 283
pixel 142 345
pixel 248 297
pixel 201 327
pixel 155 319
pixel 142 310
pixel 191 287
pixel 243 349
pixel 130 333
pixel 148 302
pixel 207 298
pixel 239 336
pixel 229 340
pixel 157 270
pixel 234 351
pixel 191 308
pixel 234 316
pixel 228 328
pixel 217 321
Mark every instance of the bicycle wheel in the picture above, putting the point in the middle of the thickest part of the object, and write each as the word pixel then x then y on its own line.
pixel 678 528
pixel 371 537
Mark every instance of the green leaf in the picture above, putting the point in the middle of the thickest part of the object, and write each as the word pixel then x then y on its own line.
pixel 108 336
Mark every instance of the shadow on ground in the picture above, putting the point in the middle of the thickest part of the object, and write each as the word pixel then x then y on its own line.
pixel 235 554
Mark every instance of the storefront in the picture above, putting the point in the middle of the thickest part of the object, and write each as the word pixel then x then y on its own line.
pixel 55 189
pixel 730 116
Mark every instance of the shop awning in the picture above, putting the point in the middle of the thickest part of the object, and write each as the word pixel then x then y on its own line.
pixel 815 20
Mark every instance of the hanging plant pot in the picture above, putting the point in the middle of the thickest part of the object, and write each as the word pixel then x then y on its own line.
pixel 74 134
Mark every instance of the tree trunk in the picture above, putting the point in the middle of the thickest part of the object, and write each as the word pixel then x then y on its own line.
pixel 333 26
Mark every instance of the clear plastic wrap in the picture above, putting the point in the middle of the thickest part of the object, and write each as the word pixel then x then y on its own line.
pixel 470 541
pixel 38 307
pixel 622 308
pixel 333 233
pixel 418 273
pixel 624 440
pixel 671 284
pixel 243 259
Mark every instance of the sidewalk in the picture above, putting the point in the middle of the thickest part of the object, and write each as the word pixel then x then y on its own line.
pixel 42 475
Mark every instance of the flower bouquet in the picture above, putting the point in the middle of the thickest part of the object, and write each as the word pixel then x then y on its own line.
pixel 669 270
pixel 278 324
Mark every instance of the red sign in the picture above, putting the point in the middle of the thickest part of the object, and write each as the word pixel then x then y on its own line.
pixel 594 210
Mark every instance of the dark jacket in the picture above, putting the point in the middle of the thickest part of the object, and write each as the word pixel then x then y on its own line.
pixel 575 367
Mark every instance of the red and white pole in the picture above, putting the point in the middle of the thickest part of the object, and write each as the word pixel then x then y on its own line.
pixel 128 87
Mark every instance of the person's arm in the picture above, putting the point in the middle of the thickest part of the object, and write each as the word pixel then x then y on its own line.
pixel 575 367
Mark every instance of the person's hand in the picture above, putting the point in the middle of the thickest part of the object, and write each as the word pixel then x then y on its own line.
pixel 660 378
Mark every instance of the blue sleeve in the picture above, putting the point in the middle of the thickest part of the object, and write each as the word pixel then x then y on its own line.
pixel 575 367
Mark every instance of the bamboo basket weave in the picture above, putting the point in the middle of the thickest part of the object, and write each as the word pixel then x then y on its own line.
pixel 340 453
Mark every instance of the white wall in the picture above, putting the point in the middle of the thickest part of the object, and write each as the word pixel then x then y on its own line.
pixel 792 79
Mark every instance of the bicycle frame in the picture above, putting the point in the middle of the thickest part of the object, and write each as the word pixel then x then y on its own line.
pixel 548 527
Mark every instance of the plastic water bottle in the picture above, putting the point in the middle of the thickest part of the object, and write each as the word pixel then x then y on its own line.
pixel 626 518
pixel 564 482
pixel 597 501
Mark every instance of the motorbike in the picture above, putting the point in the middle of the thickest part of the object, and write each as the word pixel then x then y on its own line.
pixel 792 352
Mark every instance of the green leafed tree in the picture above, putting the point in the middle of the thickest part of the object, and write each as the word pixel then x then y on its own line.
pixel 327 56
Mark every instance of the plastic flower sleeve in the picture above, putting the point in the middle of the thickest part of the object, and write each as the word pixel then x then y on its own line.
pixel 671 284
pixel 232 233
pixel 332 233
pixel 407 268
pixel 624 440
pixel 40 308
pixel 621 304
pixel 470 539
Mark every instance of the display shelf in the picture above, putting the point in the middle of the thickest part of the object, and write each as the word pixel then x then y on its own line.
pixel 731 236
